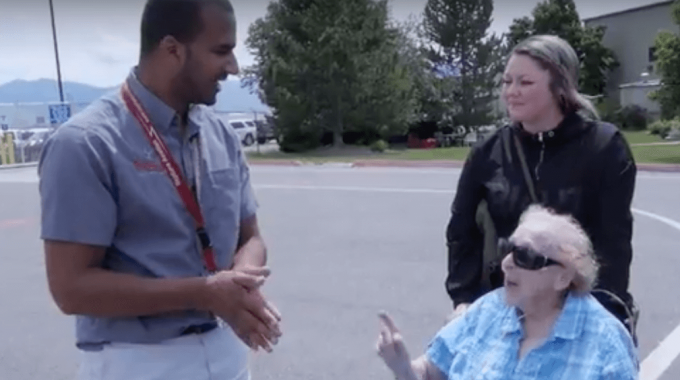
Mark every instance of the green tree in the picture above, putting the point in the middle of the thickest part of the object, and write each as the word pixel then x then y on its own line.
pixel 560 18
pixel 667 50
pixel 457 31
pixel 434 94
pixel 330 66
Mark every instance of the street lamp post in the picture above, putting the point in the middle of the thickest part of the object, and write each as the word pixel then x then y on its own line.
pixel 56 53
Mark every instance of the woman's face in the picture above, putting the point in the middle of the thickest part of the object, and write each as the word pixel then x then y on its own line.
pixel 533 286
pixel 526 90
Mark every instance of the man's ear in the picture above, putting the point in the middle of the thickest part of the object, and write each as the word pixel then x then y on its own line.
pixel 174 50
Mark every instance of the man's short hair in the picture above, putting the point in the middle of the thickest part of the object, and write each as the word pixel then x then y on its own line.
pixel 180 19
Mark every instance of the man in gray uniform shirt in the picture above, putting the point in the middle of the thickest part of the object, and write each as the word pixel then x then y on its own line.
pixel 149 218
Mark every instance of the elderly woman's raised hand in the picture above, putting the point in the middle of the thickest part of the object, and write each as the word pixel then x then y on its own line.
pixel 392 349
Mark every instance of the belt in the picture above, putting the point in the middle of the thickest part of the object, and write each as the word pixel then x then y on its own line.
pixel 199 329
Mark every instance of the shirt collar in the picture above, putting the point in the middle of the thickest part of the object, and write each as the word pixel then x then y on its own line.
pixel 568 325
pixel 161 115
pixel 570 322
pixel 511 322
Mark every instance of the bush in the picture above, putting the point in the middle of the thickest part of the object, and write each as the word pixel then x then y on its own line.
pixel 296 141
pixel 633 118
pixel 658 127
pixel 379 146
pixel 663 127
pixel 609 111
pixel 673 135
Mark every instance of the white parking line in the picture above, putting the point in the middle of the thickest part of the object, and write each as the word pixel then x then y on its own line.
pixel 348 169
pixel 651 368
pixel 358 189
pixel 659 360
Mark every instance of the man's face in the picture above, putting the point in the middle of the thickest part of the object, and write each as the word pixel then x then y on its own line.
pixel 210 57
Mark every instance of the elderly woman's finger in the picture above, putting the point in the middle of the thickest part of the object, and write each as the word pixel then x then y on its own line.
pixel 387 322
pixel 385 335
pixel 380 344
pixel 398 343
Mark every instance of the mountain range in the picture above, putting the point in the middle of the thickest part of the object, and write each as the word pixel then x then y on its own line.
pixel 232 97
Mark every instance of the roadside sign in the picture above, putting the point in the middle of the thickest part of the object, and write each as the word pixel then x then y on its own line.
pixel 59 113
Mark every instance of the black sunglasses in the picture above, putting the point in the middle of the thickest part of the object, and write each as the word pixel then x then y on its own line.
pixel 524 257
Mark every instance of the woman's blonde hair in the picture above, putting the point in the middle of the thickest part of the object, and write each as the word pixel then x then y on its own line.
pixel 563 236
pixel 559 58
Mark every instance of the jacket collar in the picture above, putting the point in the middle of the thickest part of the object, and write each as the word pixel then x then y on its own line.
pixel 572 126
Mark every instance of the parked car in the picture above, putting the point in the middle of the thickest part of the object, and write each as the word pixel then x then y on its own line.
pixel 246 130
pixel 19 137
pixel 265 131
pixel 38 136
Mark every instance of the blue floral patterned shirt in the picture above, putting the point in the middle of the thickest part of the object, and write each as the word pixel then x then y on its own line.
pixel 587 343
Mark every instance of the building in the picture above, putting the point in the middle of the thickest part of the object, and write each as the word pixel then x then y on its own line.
pixel 630 34
pixel 15 116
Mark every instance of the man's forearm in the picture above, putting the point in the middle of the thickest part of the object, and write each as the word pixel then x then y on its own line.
pixel 252 253
pixel 103 293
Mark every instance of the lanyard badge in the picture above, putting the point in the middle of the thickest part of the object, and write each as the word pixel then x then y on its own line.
pixel 174 174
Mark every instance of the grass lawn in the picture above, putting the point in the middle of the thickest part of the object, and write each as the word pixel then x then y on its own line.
pixel 641 137
pixel 654 154
pixel 659 154
pixel 351 154
pixel 453 153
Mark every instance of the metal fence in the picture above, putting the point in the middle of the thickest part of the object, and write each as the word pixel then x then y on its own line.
pixel 24 128
pixel 22 147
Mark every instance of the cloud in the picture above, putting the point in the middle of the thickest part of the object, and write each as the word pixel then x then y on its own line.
pixel 113 50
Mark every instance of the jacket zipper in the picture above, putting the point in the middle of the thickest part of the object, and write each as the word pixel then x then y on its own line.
pixel 540 159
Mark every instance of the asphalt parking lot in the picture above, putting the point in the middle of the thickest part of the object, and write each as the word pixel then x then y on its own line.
pixel 344 243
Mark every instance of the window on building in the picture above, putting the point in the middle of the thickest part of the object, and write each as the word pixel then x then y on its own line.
pixel 652 54
pixel 40 120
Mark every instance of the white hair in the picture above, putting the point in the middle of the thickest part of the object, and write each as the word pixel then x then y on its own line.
pixel 564 238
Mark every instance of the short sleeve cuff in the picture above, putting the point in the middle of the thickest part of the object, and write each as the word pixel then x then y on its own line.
pixel 249 203
pixel 439 354
pixel 76 203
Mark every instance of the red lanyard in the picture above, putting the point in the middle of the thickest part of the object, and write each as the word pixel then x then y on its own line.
pixel 173 172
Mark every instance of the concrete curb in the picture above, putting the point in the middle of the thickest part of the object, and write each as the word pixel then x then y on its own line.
pixel 18 166
pixel 661 143
pixel 274 162
pixel 662 168
pixel 409 163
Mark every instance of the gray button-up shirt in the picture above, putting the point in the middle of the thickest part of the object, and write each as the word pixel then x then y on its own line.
pixel 101 184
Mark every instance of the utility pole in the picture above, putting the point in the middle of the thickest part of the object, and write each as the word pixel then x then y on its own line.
pixel 56 53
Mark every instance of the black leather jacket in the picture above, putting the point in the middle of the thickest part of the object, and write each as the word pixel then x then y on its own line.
pixel 582 167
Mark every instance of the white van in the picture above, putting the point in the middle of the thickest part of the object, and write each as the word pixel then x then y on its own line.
pixel 246 130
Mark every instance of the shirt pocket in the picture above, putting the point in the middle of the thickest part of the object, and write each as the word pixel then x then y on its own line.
pixel 491 371
pixel 227 179
pixel 224 192
pixel 222 205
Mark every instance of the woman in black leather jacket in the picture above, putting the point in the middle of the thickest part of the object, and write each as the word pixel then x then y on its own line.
pixel 576 165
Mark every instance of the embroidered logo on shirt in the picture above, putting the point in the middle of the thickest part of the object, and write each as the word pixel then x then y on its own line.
pixel 148 166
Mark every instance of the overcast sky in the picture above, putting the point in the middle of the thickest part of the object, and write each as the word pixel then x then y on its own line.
pixel 98 39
